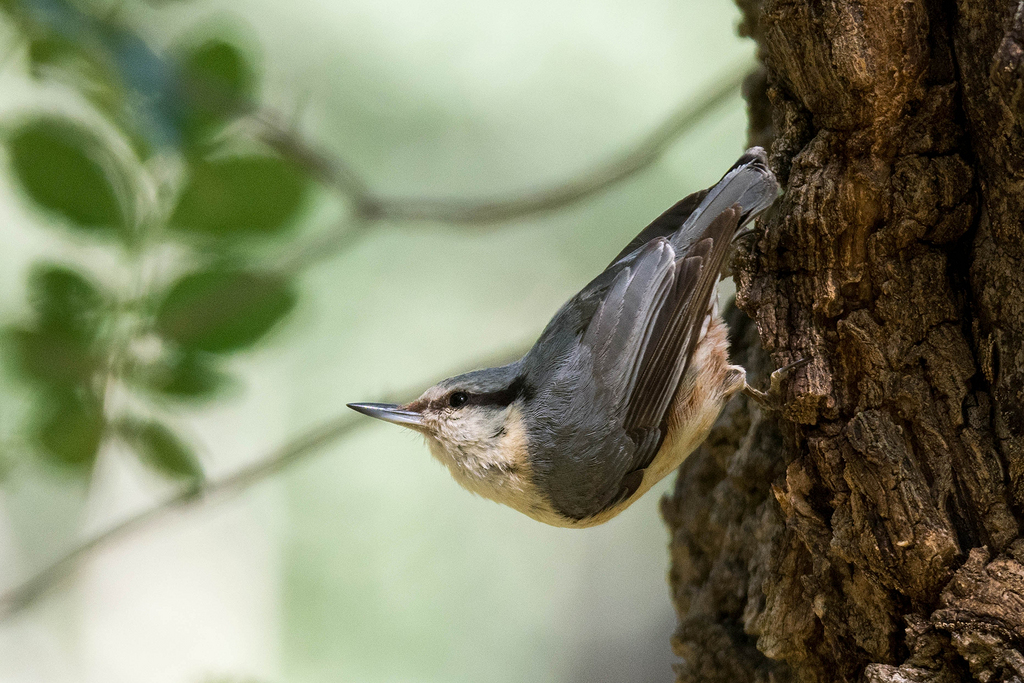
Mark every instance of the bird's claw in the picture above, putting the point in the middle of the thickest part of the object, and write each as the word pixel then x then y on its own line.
pixel 772 399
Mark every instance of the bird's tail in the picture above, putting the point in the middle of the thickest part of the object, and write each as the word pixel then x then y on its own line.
pixel 749 183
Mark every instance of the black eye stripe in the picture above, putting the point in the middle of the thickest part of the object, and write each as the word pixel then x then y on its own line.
pixel 496 399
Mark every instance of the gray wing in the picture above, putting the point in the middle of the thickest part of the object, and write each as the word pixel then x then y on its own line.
pixel 653 371
pixel 752 196
pixel 602 416
pixel 579 448
pixel 677 328
pixel 601 419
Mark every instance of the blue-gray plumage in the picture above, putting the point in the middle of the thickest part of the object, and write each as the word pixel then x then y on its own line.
pixel 624 382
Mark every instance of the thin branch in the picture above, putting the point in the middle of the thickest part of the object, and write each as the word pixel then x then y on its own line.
pixel 368 208
pixel 21 596
pixel 341 237
pixel 331 171
pixel 621 167
pixel 299 448
pixel 340 174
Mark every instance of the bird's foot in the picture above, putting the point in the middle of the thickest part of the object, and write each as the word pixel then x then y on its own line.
pixel 772 399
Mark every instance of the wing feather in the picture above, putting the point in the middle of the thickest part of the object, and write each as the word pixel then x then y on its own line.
pixel 618 331
pixel 614 355
pixel 678 328
pixel 647 326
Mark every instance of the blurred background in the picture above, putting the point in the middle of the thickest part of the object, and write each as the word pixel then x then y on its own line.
pixel 223 220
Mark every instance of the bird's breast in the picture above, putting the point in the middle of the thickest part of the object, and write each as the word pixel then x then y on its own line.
pixel 704 390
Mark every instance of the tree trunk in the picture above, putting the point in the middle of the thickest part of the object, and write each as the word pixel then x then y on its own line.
pixel 871 531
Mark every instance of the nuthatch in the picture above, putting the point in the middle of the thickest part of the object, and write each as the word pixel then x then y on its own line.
pixel 625 381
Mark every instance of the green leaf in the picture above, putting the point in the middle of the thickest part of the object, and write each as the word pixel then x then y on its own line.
pixel 221 65
pixel 67 302
pixel 58 351
pixel 64 168
pixel 50 358
pixel 87 67
pixel 69 427
pixel 184 375
pixel 51 50
pixel 78 63
pixel 159 448
pixel 240 196
pixel 219 82
pixel 223 310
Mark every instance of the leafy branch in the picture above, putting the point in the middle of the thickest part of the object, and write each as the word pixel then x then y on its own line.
pixel 110 362
pixel 221 205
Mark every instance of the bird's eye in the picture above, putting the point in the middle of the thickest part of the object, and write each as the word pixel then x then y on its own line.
pixel 458 399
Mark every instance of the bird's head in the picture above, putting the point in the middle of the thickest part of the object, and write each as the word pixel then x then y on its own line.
pixel 474 426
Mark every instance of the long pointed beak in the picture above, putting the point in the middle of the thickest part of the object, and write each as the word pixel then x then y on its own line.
pixel 390 412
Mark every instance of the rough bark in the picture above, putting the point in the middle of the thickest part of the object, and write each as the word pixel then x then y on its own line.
pixel 871 531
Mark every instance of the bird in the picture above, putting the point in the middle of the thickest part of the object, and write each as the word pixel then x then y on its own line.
pixel 622 385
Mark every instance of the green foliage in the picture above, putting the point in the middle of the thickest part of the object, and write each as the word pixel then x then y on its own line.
pixel 238 196
pixel 66 302
pixel 58 354
pixel 57 351
pixel 82 339
pixel 65 169
pixel 50 358
pixel 183 376
pixel 69 427
pixel 222 310
pixel 51 51
pixel 159 448
pixel 70 61
pixel 219 82
pixel 91 67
